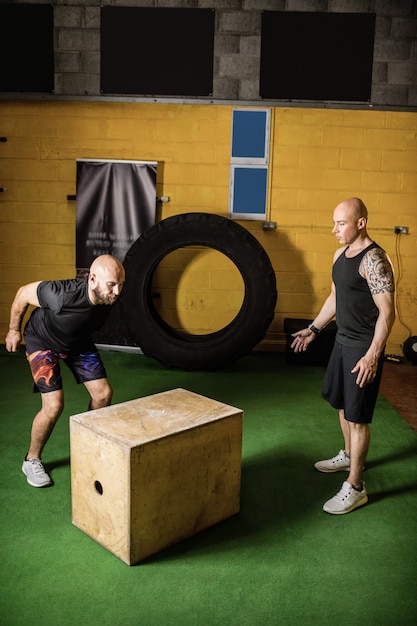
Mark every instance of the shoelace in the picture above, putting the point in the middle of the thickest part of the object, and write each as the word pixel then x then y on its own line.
pixel 37 466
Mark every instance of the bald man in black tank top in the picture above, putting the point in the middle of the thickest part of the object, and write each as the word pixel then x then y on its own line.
pixel 362 300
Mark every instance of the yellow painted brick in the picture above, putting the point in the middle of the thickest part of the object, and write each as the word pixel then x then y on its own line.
pixel 35 170
pixel 287 239
pixel 411 139
pixel 218 263
pixel 381 181
pixel 209 300
pixel 187 153
pixel 221 154
pixel 236 300
pixel 7 170
pixel 295 304
pixel 166 278
pixel 20 148
pixel 56 214
pixel 180 258
pixel 340 179
pixel 9 253
pixel 324 243
pixel 37 126
pixel 143 131
pixel 183 131
pixel 66 171
pixel 379 221
pixel 7 295
pixel 282 199
pixel 197 322
pixel 18 275
pixel 398 201
pixel 12 232
pixel 322 200
pixel 172 299
pixel 52 233
pixel 291 282
pixel 229 279
pixel 214 175
pixel 323 117
pixel 300 217
pixel 322 264
pixel 399 161
pixel 269 239
pixel 295 177
pixel 408 245
pixel 365 119
pixel 179 174
pixel 87 127
pixel 407 283
pixel 384 138
pixel 400 119
pixel 50 254
pixel 191 279
pixel 287 156
pixel 340 137
pixel 321 283
pixel 220 319
pixel 208 131
pixel 8 122
pixel 319 157
pixel 288 116
pixel 291 261
pixel 290 135
pixel 195 195
pixel 362 160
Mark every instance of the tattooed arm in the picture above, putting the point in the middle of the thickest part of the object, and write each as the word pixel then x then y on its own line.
pixel 377 270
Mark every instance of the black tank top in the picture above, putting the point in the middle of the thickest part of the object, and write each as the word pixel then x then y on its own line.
pixel 356 312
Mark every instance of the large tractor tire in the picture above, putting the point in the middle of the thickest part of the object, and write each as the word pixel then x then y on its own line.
pixel 178 349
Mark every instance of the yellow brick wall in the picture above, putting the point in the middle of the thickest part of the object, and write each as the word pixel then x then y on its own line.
pixel 318 158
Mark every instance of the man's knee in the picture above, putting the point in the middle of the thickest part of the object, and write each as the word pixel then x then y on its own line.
pixel 106 396
pixel 53 404
pixel 101 393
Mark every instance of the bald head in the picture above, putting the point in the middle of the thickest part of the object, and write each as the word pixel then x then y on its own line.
pixel 350 219
pixel 357 208
pixel 106 263
pixel 106 279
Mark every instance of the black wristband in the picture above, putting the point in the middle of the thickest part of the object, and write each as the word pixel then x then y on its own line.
pixel 314 329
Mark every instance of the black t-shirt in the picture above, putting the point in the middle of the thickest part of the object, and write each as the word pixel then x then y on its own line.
pixel 66 318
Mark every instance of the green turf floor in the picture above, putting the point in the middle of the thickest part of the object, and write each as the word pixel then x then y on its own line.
pixel 281 561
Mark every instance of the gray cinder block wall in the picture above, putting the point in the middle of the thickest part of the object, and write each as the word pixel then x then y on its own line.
pixel 237 45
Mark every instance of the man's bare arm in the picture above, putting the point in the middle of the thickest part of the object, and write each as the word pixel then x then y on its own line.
pixel 25 296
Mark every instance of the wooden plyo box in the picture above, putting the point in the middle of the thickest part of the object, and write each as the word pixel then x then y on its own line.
pixel 147 473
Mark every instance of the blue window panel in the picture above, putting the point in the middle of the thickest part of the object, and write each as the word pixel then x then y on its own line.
pixel 250 135
pixel 248 192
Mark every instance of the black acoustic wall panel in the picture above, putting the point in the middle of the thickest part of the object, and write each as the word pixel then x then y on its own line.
pixel 26 48
pixel 157 51
pixel 317 56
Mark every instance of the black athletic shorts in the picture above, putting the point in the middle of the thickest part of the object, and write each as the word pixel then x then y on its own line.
pixel 46 371
pixel 340 388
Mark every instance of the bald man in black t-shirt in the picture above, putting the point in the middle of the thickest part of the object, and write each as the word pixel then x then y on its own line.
pixel 66 314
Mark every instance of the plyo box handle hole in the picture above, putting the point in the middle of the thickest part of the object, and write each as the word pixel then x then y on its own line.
pixel 98 487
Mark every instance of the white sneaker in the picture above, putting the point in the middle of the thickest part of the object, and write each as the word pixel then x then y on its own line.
pixel 35 473
pixel 346 500
pixel 338 463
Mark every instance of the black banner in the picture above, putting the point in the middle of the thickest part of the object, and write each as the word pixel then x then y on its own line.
pixel 116 203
